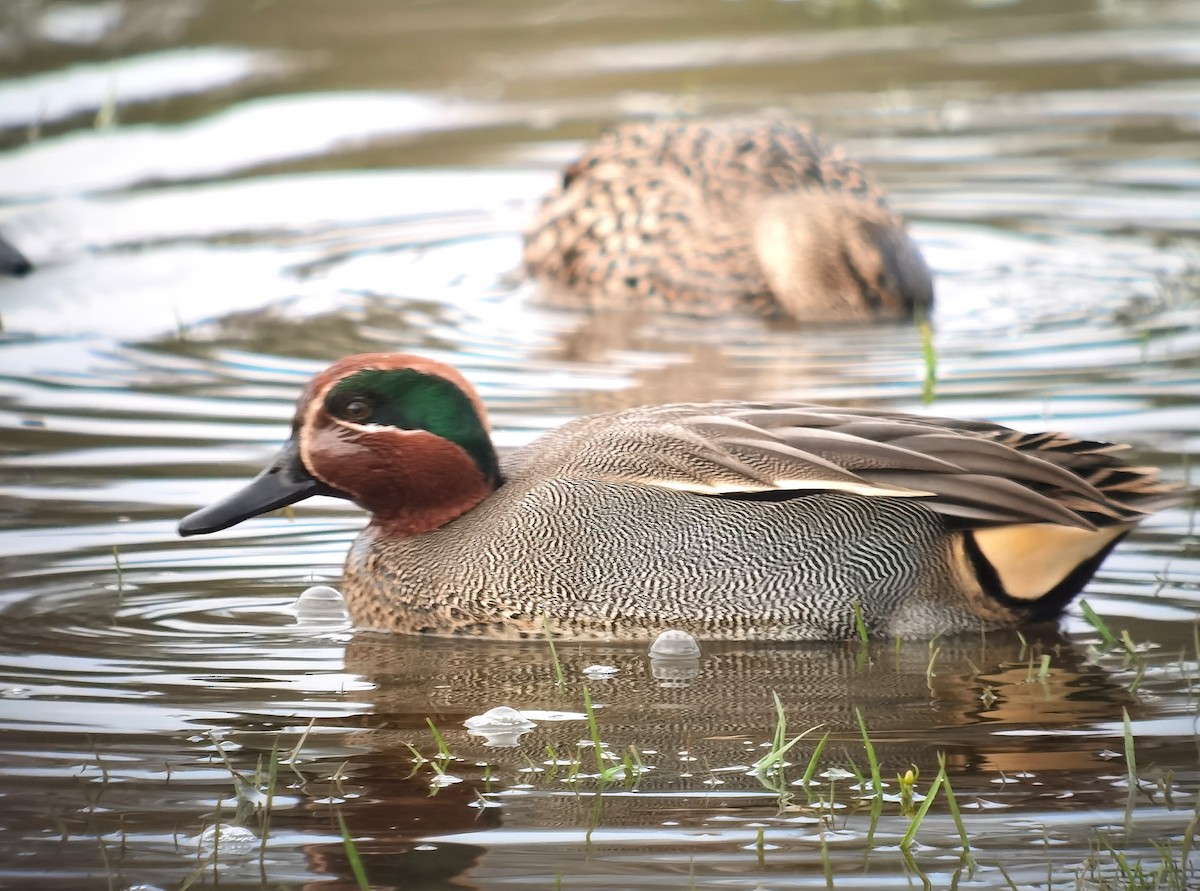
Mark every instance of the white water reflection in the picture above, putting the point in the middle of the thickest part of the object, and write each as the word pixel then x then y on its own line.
pixel 87 87
pixel 255 133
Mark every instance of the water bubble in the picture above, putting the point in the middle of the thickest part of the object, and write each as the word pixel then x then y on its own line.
pixel 227 839
pixel 675 658
pixel 674 644
pixel 320 604
pixel 501 726
pixel 500 716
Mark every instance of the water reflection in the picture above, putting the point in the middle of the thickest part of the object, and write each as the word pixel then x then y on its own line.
pixel 994 681
pixel 220 197
pixel 708 734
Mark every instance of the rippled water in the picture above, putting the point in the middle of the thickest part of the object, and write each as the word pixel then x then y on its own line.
pixel 220 197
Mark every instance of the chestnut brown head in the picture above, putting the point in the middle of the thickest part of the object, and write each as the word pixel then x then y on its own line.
pixel 403 437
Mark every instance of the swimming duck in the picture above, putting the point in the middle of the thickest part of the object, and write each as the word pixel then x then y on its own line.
pixel 725 519
pixel 704 217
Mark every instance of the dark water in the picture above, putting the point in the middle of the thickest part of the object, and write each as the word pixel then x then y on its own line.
pixel 220 197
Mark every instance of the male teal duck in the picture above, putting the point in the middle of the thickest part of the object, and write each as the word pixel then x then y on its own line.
pixel 706 217
pixel 725 519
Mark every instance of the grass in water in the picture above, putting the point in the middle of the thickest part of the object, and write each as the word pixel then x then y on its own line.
pixel 929 356
pixel 1131 768
pixel 356 864
pixel 633 765
pixel 559 677
pixel 1098 623
pixel 769 768
pixel 779 748
pixel 1189 835
pixel 443 749
pixel 811 769
pixel 1130 755
pixel 859 625
pixel 955 813
pixel 594 730
pixel 265 814
pixel 120 573
pixel 1107 867
pixel 919 817
pixel 872 760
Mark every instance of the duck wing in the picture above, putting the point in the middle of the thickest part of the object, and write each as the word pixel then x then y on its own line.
pixel 975 473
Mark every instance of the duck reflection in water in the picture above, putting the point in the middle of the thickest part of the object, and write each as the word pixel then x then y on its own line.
pixel 958 697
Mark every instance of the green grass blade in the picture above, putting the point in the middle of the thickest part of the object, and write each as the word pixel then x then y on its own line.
pixel 560 678
pixel 923 809
pixel 954 811
pixel 1131 768
pixel 443 749
pixel 1130 754
pixel 594 730
pixel 872 760
pixel 812 762
pixel 1098 623
pixel 860 624
pixel 356 864
pixel 929 356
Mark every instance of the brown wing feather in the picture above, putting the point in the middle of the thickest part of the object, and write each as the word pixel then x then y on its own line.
pixel 975 472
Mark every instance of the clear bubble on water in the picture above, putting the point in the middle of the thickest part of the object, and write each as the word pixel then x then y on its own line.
pixel 320 604
pixel 500 726
pixel 674 644
pixel 675 658
pixel 500 717
pixel 225 839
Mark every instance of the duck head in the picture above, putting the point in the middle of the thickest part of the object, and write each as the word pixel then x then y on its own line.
pixel 830 256
pixel 405 438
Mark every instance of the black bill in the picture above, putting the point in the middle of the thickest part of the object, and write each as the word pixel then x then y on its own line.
pixel 284 481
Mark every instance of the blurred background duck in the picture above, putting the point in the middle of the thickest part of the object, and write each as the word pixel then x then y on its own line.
pixel 725 519
pixel 706 217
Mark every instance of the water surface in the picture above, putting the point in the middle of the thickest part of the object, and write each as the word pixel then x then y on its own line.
pixel 220 198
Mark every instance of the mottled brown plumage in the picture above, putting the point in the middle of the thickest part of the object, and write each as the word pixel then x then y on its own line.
pixel 708 217
pixel 727 519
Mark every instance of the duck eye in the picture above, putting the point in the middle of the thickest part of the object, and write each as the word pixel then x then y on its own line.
pixel 357 410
